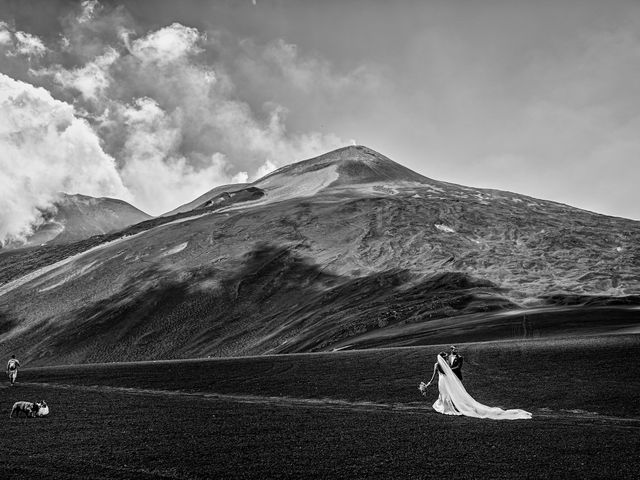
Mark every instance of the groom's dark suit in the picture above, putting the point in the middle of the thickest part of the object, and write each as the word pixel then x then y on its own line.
pixel 455 362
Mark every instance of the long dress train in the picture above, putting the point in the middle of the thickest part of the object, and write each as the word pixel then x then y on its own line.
pixel 455 400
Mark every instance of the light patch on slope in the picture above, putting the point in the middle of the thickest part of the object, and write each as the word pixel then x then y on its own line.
pixel 388 189
pixel 18 282
pixel 208 286
pixel 71 275
pixel 176 249
pixel 279 188
pixel 444 228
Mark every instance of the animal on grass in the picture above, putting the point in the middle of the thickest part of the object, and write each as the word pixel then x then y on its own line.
pixel 42 409
pixel 30 409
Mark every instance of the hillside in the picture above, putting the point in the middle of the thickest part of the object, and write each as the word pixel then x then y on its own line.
pixel 77 217
pixel 204 198
pixel 346 249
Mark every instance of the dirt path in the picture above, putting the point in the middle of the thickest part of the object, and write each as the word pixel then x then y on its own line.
pixel 417 408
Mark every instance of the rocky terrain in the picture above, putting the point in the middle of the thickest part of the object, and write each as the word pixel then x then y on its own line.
pixel 349 248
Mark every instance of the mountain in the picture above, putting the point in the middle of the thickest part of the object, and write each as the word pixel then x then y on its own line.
pixel 348 166
pixel 347 250
pixel 77 217
pixel 204 198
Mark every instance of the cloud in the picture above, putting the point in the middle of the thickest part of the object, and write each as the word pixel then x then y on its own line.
pixel 46 150
pixel 155 165
pixel 89 9
pixel 313 91
pixel 20 43
pixel 5 34
pixel 166 45
pixel 281 66
pixel 155 117
pixel 265 169
pixel 307 73
pixel 29 45
pixel 90 80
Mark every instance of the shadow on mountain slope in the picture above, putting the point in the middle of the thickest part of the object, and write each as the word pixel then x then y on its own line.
pixel 6 323
pixel 276 302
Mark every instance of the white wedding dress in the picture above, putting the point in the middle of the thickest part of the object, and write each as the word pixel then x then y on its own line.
pixel 455 400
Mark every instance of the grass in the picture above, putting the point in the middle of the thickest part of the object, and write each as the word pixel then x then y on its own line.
pixel 355 415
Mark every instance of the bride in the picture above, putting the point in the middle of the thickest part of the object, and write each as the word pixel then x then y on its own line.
pixel 454 399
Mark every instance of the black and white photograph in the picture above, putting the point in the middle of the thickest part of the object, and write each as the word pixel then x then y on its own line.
pixel 337 239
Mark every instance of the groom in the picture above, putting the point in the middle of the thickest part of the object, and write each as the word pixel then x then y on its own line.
pixel 455 361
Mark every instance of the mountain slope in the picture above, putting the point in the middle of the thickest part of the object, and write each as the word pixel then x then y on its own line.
pixel 204 198
pixel 354 166
pixel 347 249
pixel 76 217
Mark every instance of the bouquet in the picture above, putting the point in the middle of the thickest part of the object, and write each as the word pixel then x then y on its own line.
pixel 423 388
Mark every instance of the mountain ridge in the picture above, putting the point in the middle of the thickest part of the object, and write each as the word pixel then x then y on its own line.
pixel 346 166
pixel 313 265
pixel 75 217
pixel 356 162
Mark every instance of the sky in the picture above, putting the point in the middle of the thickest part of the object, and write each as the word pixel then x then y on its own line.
pixel 157 102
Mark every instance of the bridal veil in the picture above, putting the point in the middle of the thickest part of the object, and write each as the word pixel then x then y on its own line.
pixel 455 400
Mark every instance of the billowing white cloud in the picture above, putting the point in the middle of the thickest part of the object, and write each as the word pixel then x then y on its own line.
pixel 88 11
pixel 29 45
pixel 90 80
pixel 5 34
pixel 46 150
pixel 155 168
pixel 167 44
pixel 153 117
pixel 265 169
pixel 240 177
pixel 153 134
pixel 20 43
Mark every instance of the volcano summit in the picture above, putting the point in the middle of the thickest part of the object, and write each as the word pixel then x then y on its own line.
pixel 346 250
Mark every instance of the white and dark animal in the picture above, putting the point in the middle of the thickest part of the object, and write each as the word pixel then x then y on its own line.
pixel 23 407
pixel 42 410
pixel 30 409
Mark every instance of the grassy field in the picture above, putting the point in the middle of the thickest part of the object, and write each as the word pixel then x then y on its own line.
pixel 338 415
